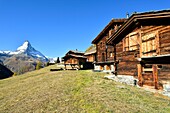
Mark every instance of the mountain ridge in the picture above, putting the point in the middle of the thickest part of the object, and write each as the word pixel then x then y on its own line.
pixel 24 59
pixel 28 50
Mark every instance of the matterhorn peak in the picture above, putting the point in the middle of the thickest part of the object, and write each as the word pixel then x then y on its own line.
pixel 24 46
pixel 28 50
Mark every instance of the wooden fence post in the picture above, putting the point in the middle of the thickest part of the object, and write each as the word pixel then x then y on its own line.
pixel 140 78
pixel 155 75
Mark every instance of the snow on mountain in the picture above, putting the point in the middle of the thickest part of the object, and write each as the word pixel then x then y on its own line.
pixel 26 45
pixel 5 52
pixel 27 49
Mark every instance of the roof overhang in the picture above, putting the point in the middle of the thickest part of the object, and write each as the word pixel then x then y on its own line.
pixel 74 56
pixel 137 20
pixel 107 28
pixel 105 62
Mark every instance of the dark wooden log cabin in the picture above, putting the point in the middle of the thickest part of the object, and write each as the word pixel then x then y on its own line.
pixel 74 59
pixel 104 54
pixel 142 47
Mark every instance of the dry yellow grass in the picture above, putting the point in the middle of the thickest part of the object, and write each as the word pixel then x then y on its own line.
pixel 74 91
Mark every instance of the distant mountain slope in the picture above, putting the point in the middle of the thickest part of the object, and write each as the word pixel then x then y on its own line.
pixel 26 49
pixel 20 63
pixel 22 60
pixel 5 72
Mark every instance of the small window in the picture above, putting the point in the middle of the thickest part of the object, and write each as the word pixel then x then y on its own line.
pixel 131 43
pixel 111 54
pixel 101 44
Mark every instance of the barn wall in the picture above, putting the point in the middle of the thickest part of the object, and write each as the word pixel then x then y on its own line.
pixel 101 49
pixel 164 38
pixel 71 61
pixel 90 58
pixel 127 60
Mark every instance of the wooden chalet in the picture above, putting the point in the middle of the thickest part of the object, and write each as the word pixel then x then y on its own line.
pixel 74 59
pixel 142 47
pixel 104 53
pixel 90 53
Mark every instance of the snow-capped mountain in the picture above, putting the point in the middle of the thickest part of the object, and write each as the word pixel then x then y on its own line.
pixel 28 50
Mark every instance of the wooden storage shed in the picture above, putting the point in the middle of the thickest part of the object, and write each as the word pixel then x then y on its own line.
pixel 74 59
pixel 142 47
pixel 104 53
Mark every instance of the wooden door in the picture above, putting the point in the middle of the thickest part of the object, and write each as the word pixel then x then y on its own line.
pixel 103 57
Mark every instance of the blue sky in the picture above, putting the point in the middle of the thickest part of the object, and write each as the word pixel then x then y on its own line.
pixel 55 26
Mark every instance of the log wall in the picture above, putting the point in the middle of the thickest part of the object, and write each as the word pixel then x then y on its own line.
pixel 104 52
pixel 71 61
pixel 127 60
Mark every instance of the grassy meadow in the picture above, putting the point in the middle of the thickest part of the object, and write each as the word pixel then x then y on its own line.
pixel 75 92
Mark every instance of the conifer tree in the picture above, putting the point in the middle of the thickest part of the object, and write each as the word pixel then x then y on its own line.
pixel 58 60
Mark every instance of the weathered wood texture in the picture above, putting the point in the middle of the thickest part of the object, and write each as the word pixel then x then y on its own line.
pixel 149 41
pixel 164 72
pixel 155 75
pixel 90 58
pixel 101 50
pixel 127 57
pixel 104 52
pixel 155 40
pixel 75 61
pixel 72 61
pixel 164 41
pixel 140 78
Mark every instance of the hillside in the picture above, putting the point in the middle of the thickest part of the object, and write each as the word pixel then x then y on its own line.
pixel 75 91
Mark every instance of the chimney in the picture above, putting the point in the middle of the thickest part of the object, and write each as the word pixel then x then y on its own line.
pixel 127 15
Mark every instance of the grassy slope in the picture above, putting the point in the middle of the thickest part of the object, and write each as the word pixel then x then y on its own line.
pixel 74 91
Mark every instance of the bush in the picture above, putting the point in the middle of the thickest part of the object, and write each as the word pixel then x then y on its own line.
pixel 39 65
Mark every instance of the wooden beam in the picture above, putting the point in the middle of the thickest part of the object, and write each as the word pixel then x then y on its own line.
pixel 65 67
pixel 155 75
pixel 157 43
pixel 140 44
pixel 140 78
pixel 115 61
pixel 124 44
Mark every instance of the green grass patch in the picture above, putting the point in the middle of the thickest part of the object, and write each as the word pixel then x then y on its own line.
pixel 76 92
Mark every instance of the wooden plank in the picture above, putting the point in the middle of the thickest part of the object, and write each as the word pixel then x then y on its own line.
pixel 147 69
pixel 165 29
pixel 140 78
pixel 148 52
pixel 155 75
pixel 148 39
pixel 150 29
pixel 124 44
pixel 164 38
pixel 165 45
pixel 140 44
pixel 148 76
pixel 165 50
